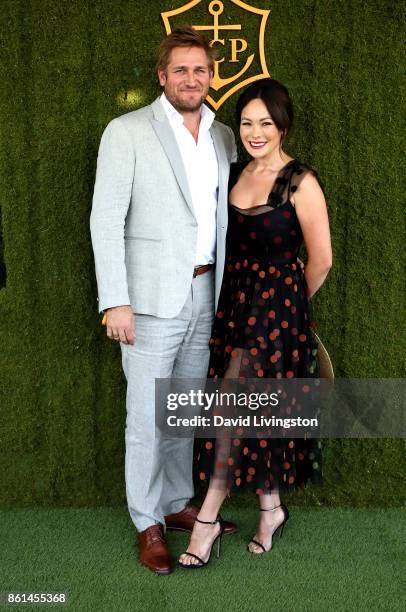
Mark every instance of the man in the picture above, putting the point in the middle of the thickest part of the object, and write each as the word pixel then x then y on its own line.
pixel 158 226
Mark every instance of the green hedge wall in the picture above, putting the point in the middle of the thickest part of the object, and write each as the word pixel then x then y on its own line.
pixel 68 67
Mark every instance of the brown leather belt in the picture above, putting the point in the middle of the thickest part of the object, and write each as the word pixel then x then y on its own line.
pixel 201 269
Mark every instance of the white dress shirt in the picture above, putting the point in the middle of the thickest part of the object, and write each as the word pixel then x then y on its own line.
pixel 201 166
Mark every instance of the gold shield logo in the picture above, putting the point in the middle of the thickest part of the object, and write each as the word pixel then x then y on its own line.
pixel 230 37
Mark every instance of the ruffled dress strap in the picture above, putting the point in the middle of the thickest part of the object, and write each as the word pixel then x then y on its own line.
pixel 289 181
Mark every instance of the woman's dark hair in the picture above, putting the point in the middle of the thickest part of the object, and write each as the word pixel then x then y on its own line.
pixel 276 98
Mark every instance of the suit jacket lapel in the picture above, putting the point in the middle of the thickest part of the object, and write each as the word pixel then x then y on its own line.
pixel 167 139
pixel 222 164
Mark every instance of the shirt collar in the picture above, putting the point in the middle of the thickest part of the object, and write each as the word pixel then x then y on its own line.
pixel 207 115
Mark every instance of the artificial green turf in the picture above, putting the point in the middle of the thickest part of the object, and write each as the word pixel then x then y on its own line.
pixel 328 559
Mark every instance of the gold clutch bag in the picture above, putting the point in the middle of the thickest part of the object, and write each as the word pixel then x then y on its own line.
pixel 325 366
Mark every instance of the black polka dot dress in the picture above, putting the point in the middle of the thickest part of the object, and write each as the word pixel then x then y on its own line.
pixel 263 329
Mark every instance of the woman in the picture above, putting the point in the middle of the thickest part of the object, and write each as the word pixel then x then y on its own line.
pixel 262 327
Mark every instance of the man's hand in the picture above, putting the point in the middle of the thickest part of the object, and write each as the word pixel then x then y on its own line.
pixel 301 264
pixel 120 322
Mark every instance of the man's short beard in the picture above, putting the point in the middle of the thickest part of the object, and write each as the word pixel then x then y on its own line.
pixel 185 108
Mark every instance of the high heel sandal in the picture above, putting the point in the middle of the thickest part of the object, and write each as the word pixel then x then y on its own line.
pixel 216 539
pixel 279 527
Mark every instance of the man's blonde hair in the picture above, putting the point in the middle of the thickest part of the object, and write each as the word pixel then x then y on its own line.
pixel 184 36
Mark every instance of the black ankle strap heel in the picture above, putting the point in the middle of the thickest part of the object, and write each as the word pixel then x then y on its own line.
pixel 279 528
pixel 218 520
pixel 216 539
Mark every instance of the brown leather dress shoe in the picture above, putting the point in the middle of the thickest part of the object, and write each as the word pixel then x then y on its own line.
pixel 154 552
pixel 185 519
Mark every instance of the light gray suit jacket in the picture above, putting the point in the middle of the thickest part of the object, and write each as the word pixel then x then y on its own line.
pixel 143 226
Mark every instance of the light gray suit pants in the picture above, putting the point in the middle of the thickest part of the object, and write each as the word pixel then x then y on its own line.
pixel 158 471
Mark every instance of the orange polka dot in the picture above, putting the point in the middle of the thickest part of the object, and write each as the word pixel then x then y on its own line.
pixel 242 298
pixel 209 445
pixel 291 479
pixel 286 465
pixel 237 265
pixel 236 442
pixel 291 444
pixel 273 359
pixel 295 353
pixel 302 338
pixel 284 324
pixel 255 266
pixel 234 354
pixel 252 320
pixel 261 274
pixel 263 443
pixel 230 461
pixel 238 481
pixel 254 456
pixel 272 270
pixel 251 471
pixel 254 351
pixel 220 315
pixel 271 314
pixel 289 374
pixel 265 295
pixel 245 450
pixel 288 280
pixel 272 292
pixel 202 476
pixel 287 302
pixel 260 373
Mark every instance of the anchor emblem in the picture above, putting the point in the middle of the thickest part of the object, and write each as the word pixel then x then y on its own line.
pixel 224 35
